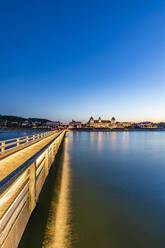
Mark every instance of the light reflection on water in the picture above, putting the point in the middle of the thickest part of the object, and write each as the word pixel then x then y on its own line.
pixel 113 140
pixel 58 231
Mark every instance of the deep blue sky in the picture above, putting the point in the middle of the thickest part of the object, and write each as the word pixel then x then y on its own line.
pixel 73 59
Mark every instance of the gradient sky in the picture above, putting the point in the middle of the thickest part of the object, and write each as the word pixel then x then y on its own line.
pixel 73 59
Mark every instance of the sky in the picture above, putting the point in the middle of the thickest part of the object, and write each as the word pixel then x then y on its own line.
pixel 65 60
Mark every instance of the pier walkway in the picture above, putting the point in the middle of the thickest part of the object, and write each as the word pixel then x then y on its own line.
pixel 22 176
pixel 13 161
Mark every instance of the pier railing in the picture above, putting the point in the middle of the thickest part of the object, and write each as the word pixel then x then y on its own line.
pixel 7 145
pixel 20 190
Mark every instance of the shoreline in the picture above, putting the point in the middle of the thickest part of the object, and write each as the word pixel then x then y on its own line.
pixel 116 129
pixel 85 129
pixel 23 129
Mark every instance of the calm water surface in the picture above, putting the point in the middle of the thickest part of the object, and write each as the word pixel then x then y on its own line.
pixel 105 190
pixel 11 134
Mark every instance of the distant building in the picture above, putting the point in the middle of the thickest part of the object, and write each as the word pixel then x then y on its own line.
pixel 126 124
pixel 25 123
pixel 146 124
pixel 4 122
pixel 36 123
pixel 14 123
pixel 102 123
pixel 74 124
pixel 161 125
pixel 53 124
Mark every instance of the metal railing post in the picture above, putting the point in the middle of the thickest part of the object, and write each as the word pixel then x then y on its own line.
pixel 54 152
pixel 46 162
pixel 17 141
pixel 2 146
pixel 32 187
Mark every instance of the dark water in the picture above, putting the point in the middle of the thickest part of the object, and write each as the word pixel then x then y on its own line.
pixel 11 134
pixel 106 189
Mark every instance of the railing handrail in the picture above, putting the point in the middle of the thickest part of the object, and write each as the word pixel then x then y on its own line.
pixel 18 141
pixel 7 181
pixel 21 137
